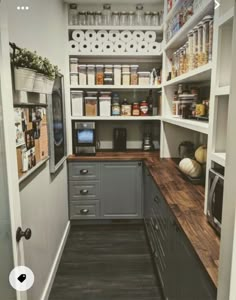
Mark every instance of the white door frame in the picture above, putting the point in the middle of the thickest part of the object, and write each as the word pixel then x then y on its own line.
pixel 9 136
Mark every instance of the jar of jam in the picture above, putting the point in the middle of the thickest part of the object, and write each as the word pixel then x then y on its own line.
pixel 135 109
pixel 144 108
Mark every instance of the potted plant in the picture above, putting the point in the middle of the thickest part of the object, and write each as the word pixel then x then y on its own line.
pixel 24 72
pixel 39 83
pixel 50 73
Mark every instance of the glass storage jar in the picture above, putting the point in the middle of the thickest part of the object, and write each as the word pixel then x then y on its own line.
pixel 98 18
pixel 147 18
pixel 90 18
pixel 211 25
pixel 73 14
pixel 74 65
pixel 91 106
pixel 82 75
pixel 125 78
pixel 106 14
pixel 131 18
pixel 190 50
pixel 200 44
pixel 91 74
pixel 117 74
pixel 144 108
pixel 195 47
pixel 135 109
pixel 115 21
pixel 206 31
pixel 125 108
pixel 82 18
pixel 134 74
pixel 99 74
pixel 155 20
pixel 139 17
pixel 123 18
pixel 74 77
pixel 115 108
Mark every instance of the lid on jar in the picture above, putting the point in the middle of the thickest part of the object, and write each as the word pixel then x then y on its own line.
pixel 139 7
pixel 144 73
pixel 108 66
pixel 124 13
pixel 77 92
pixel 104 98
pixel 134 66
pixel 200 24
pixel 82 12
pixel 107 6
pixel 125 66
pixel 108 73
pixel 73 6
pixel 91 93
pixel 207 18
pixel 90 98
pixel 155 13
pixel 108 79
pixel 91 66
pixel 131 12
pixel 82 66
pixel 115 13
pixel 195 29
pixel 190 32
pixel 135 103
pixel 99 66
pixel 74 59
pixel 74 73
pixel 147 13
pixel 117 66
pixel 125 73
pixel 105 93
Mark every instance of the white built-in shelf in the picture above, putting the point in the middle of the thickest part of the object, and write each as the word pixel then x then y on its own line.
pixel 200 74
pixel 156 2
pixel 34 169
pixel 115 87
pixel 222 91
pixel 158 29
pixel 219 158
pixel 118 118
pixel 108 55
pixel 198 126
pixel 227 17
pixel 181 36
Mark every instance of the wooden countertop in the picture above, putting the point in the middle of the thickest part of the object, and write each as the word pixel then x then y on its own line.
pixel 185 200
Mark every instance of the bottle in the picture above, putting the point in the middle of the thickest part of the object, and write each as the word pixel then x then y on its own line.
pixel 73 14
pixel 115 109
pixel 150 103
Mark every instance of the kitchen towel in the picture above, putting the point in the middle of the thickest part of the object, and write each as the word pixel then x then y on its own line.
pixel 131 47
pixel 154 47
pixel 85 47
pixel 96 47
pixel 108 47
pixel 78 35
pixel 126 36
pixel 102 36
pixel 73 47
pixel 114 36
pixel 138 36
pixel 119 47
pixel 150 36
pixel 90 35
pixel 143 47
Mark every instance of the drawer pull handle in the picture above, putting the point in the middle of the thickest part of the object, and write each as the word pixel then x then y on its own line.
pixel 83 172
pixel 84 211
pixel 83 192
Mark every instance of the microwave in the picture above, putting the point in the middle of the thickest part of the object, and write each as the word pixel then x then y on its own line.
pixel 215 198
pixel 84 138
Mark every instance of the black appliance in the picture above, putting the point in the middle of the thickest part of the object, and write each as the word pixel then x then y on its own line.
pixel 215 198
pixel 84 138
pixel 119 139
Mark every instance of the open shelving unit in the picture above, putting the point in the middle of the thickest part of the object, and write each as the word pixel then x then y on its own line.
pixel 194 125
pixel 116 87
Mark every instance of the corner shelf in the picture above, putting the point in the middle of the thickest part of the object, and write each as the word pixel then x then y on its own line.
pixel 200 74
pixel 118 118
pixel 116 87
pixel 228 16
pixel 198 126
pixel 219 158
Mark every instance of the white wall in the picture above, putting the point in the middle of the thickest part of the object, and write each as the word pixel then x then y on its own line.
pixel 43 199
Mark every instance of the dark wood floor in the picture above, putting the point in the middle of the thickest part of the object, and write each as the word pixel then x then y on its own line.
pixel 108 262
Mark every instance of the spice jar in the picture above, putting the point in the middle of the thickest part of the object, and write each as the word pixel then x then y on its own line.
pixel 144 108
pixel 135 109
pixel 125 108
pixel 99 75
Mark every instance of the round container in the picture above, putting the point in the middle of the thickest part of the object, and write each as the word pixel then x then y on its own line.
pixel 135 109
pixel 82 74
pixel 91 74
pixel 106 14
pixel 90 18
pixel 117 74
pixel 144 108
pixel 139 16
pixel 82 18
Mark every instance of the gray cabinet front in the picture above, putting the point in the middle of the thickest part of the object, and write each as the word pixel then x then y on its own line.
pixel 121 189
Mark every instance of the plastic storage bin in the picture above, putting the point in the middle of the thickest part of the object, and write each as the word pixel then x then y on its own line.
pixel 74 79
pixel 91 106
pixel 99 74
pixel 91 74
pixel 117 74
pixel 105 106
pixel 82 75
pixel 144 78
pixel 77 104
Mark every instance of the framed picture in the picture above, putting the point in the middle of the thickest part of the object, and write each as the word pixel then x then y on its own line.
pixel 57 125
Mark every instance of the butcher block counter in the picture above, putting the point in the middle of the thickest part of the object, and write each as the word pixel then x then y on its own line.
pixel 185 200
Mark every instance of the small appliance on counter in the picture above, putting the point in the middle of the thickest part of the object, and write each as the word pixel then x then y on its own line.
pixel 119 139
pixel 148 143
pixel 84 138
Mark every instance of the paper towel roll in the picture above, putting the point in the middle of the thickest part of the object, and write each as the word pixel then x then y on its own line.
pixel 85 47
pixel 102 36
pixel 131 47
pixel 78 35
pixel 150 36
pixel 114 36
pixel 108 47
pixel 126 36
pixel 138 36
pixel 96 46
pixel 73 47
pixel 119 47
pixel 154 47
pixel 143 47
pixel 90 35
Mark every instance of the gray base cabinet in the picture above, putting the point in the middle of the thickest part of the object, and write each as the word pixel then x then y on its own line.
pixel 180 271
pixel 105 190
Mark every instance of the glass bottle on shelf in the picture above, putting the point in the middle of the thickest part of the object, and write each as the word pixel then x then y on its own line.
pixel 195 47
pixel 139 15
pixel 161 17
pixel 131 18
pixel 98 18
pixel 173 65
pixel 90 18
pixel 206 22
pixel 123 18
pixel 155 19
pixel 190 51
pixel 73 14
pixel 200 44
pixel 115 20
pixel 147 18
pixel 106 14
pixel 82 18
pixel 187 57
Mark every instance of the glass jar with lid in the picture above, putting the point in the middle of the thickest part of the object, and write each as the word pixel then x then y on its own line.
pixel 90 18
pixel 190 51
pixel 195 47
pixel 181 60
pixel 98 18
pixel 131 18
pixel 139 17
pixel 115 108
pixel 173 65
pixel 155 20
pixel 200 44
pixel 206 30
pixel 115 20
pixel 123 18
pixel 147 18
pixel 135 109
pixel 73 14
pixel 186 57
pixel 106 14
pixel 82 18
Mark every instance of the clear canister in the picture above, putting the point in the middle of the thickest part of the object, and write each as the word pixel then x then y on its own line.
pixel 117 74
pixel 74 79
pixel 181 61
pixel 177 62
pixel 206 31
pixel 173 70
pixel 211 25
pixel 99 74
pixel 82 75
pixel 82 18
pixel 115 20
pixel 125 68
pixel 126 78
pixel 73 14
pixel 123 18
pixel 106 14
pixel 195 47
pixel 200 44
pixel 91 106
pixel 186 57
pixel 98 18
pixel 134 74
pixel 155 19
pixel 139 15
pixel 190 51
pixel 74 65
pixel 147 18
pixel 90 18
pixel 131 18
pixel 91 74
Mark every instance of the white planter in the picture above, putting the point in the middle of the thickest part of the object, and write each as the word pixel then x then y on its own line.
pixel 39 84
pixel 24 79
pixel 49 85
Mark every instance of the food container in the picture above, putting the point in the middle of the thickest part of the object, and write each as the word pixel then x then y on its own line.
pixel 125 68
pixel 135 109
pixel 200 44
pixel 108 75
pixel 74 78
pixel 74 65
pixel 108 69
pixel 91 74
pixel 206 31
pixel 126 78
pixel 104 106
pixel 115 109
pixel 99 75
pixel 117 75
pixel 190 51
pixel 77 103
pixel 91 106
pixel 126 109
pixel 105 94
pixel 144 108
pixel 195 47
pixel 108 81
pixel 134 74
pixel 91 94
pixel 211 25
pixel 144 78
pixel 200 110
pixel 82 75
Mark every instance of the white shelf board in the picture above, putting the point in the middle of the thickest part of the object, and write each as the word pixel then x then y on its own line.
pixel 200 74
pixel 198 126
pixel 115 87
pixel 119 118
pixel 113 1
pixel 34 169
pixel 219 158
pixel 158 29
pixel 181 36
pixel 227 17
pixel 222 91
pixel 117 55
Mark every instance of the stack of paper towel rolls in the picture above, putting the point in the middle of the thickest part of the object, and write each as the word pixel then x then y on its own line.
pixel 114 41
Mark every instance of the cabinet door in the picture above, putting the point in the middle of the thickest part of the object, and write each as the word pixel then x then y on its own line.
pixel 121 189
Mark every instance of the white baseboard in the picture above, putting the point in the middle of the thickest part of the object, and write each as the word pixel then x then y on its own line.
pixel 55 265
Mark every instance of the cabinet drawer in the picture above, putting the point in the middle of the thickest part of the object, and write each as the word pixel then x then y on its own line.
pixel 82 210
pixel 84 190
pixel 84 171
